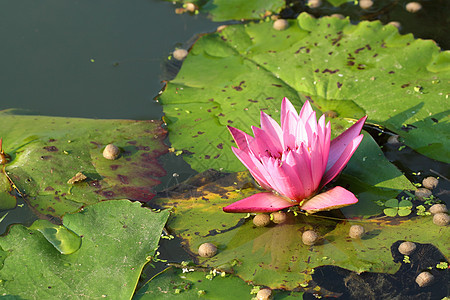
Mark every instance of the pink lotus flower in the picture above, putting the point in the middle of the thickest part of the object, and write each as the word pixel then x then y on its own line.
pixel 295 161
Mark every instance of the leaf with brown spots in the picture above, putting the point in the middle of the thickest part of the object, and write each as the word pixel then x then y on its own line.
pixel 47 151
pixel 372 70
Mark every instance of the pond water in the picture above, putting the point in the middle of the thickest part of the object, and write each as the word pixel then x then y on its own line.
pixel 107 59
pixel 100 59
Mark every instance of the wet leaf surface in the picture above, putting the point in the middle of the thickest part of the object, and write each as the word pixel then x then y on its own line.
pixel 7 200
pixel 46 157
pixel 173 283
pixel 353 70
pixel 275 255
pixel 117 239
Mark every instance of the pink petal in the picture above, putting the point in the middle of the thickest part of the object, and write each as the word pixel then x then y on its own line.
pixel 311 127
pixel 240 137
pixel 262 202
pixel 306 111
pixel 326 146
pixel 317 168
pixel 265 143
pixel 250 162
pixel 289 131
pixel 292 167
pixel 335 198
pixel 270 165
pixel 287 108
pixel 273 130
pixel 287 182
pixel 340 143
pixel 304 170
pixel 342 160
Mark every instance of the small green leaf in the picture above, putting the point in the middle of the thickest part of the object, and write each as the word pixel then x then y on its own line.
pixel 63 239
pixel 391 203
pixel 390 212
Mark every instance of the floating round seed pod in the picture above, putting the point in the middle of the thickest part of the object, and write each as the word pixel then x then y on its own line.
pixel 207 250
pixel 309 237
pixel 406 248
pixel 314 3
pixel 393 140
pixel 365 4
pixel 264 294
pixel 424 279
pixel 339 16
pixel 438 208
pixel 111 152
pixel 422 193
pixel 280 24
pixel 180 54
pixel 441 219
pixel 279 217
pixel 356 231
pixel 221 27
pixel 413 7
pixel 398 25
pixel 261 220
pixel 190 7
pixel 430 182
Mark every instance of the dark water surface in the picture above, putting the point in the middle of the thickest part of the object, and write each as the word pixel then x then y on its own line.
pixel 47 47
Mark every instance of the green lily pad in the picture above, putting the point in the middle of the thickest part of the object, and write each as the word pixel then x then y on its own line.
pixel 46 152
pixel 275 255
pixel 63 239
pixel 225 10
pixel 118 238
pixel 231 75
pixel 338 2
pixel 174 283
pixel 7 201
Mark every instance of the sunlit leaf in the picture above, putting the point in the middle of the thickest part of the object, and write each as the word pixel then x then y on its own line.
pixel 353 70
pixel 174 283
pixel 118 238
pixel 275 255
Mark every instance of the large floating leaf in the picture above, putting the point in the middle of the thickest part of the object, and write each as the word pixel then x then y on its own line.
pixel 275 256
pixel 7 201
pixel 48 151
pixel 117 239
pixel 229 76
pixel 224 10
pixel 172 283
